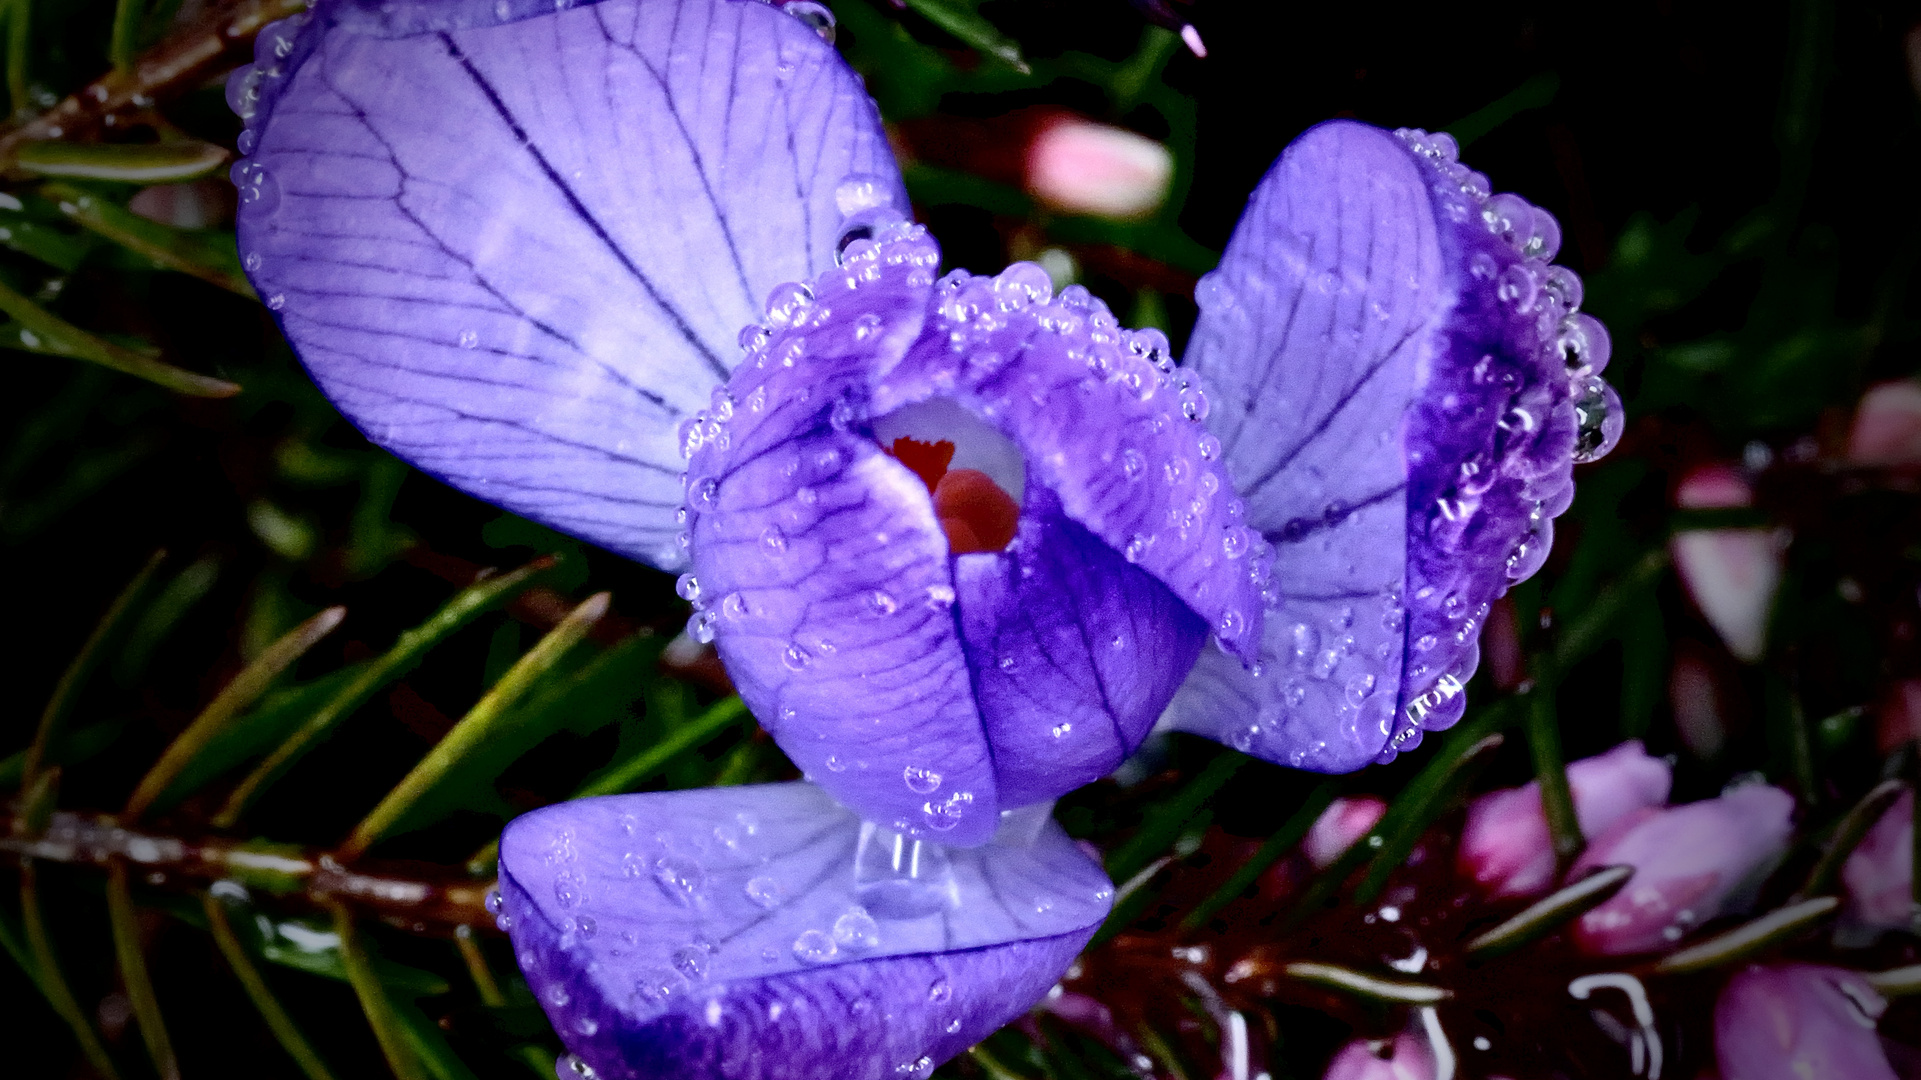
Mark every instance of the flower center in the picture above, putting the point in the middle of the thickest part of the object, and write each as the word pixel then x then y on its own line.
pixel 974 512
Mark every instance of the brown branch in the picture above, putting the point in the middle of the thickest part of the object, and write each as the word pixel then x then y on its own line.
pixel 427 899
pixel 181 62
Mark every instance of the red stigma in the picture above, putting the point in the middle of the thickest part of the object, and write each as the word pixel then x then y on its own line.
pixel 974 512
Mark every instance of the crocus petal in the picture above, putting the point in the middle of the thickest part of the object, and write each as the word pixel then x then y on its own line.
pixel 1887 424
pixel 1340 826
pixel 1505 844
pixel 1732 574
pixel 765 932
pixel 825 579
pixel 517 248
pixel 1689 862
pixel 1795 1021
pixel 1879 873
pixel 1408 1057
pixel 1030 620
pixel 1091 168
pixel 1402 386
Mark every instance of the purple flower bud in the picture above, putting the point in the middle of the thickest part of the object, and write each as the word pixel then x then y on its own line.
pixel 1689 864
pixel 1879 873
pixel 1798 1021
pixel 765 933
pixel 1505 844
pixel 1407 1057
pixel 1402 386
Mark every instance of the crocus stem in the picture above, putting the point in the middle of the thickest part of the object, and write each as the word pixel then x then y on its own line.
pixel 19 35
pixel 1550 769
pixel 261 994
pixel 1551 911
pixel 126 33
pixel 59 994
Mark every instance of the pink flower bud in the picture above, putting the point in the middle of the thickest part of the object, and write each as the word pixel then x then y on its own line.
pixel 1798 1021
pixel 1897 716
pixel 1732 574
pixel 1879 872
pixel 1887 425
pixel 1088 168
pixel 1689 861
pixel 1505 845
pixel 1406 1058
pixel 1340 825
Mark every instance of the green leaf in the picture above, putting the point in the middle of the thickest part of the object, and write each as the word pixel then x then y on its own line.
pixel 127 163
pixel 224 709
pixel 132 963
pixel 1283 841
pixel 959 18
pixel 278 715
pixel 1165 822
pixel 25 232
pixel 271 1011
pixel 488 719
pixel 1750 938
pixel 208 254
pixel 405 654
pixel 38 330
pixel 1542 916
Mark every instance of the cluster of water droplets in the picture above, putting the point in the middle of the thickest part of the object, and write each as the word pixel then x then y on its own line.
pixel 251 91
pixel 1517 401
pixel 976 314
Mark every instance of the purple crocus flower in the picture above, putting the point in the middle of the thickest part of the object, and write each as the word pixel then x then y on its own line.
pixel 642 270
pixel 1792 1021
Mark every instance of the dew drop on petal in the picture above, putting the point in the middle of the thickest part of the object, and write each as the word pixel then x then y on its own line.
pixel 814 947
pixel 765 892
pixel 921 781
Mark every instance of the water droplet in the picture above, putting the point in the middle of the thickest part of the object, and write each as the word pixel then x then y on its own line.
pixel 1061 729
pixel 1597 412
pixel 794 657
pixel 557 996
pixel 943 816
pixel 494 902
pixel 921 781
pixel 1132 463
pixel 881 602
pixel 584 926
pixel 814 16
pixel 1307 641
pixel 856 931
pixel 679 877
pixel 1325 663
pixel 940 990
pixel 915 1069
pixel 766 892
pixel 469 339
pixel 940 596
pixel 1584 344
pixel 773 541
pixel 701 627
pixel 1359 687
pixel 688 586
pixel 567 890
pixel 586 1025
pixel 814 947
pixel 1231 625
pixel 691 961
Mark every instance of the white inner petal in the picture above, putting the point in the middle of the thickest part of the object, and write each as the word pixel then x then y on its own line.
pixel 977 445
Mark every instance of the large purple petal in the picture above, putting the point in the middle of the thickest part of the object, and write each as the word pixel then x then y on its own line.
pixel 517 249
pixel 1401 390
pixel 821 570
pixel 764 933
pixel 1075 652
